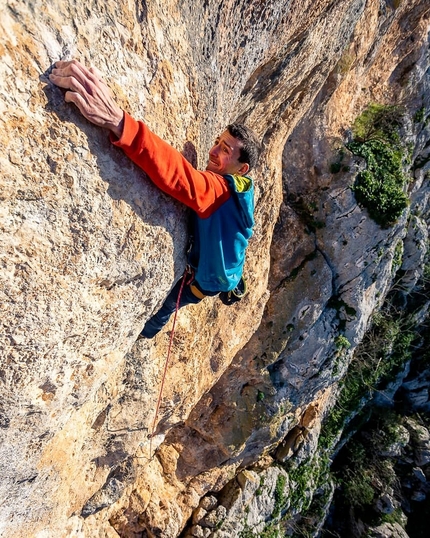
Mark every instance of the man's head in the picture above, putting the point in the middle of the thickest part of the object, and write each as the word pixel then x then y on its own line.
pixel 235 151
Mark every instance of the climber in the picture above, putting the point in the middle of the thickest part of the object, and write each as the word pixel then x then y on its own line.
pixel 221 197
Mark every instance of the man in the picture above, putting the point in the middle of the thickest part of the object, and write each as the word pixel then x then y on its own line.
pixel 222 197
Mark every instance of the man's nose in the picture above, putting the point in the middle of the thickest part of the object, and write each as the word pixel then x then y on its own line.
pixel 214 150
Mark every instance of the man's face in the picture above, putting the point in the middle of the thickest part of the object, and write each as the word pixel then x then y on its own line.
pixel 224 156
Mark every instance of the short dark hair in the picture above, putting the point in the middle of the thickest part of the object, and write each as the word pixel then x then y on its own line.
pixel 251 147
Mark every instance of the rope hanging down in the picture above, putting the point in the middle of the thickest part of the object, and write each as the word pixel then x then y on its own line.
pixel 185 281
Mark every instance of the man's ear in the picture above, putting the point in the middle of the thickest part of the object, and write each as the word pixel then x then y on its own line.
pixel 244 168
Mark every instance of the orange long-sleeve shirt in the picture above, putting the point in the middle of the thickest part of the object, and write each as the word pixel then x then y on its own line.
pixel 202 191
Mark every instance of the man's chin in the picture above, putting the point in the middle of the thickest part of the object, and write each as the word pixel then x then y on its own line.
pixel 212 168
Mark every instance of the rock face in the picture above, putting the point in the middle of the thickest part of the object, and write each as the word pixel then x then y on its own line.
pixel 89 249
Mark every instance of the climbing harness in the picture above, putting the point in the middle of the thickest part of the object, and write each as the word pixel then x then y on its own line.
pixel 195 291
pixel 187 278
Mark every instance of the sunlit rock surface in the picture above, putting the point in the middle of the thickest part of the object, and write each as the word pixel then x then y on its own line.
pixel 89 250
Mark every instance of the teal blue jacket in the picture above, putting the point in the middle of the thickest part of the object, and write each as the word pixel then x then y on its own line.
pixel 220 241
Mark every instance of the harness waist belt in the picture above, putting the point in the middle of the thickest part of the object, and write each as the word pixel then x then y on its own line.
pixel 195 291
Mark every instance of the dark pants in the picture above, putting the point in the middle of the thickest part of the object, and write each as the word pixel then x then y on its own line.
pixel 157 322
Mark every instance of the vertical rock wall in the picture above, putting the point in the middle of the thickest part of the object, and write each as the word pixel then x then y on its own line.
pixel 89 248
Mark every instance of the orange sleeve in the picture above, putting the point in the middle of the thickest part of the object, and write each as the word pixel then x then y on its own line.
pixel 203 192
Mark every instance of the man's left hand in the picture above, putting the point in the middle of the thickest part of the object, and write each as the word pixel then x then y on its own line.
pixel 89 93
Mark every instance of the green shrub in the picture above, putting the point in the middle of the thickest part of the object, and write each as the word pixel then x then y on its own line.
pixel 305 479
pixel 356 477
pixel 419 115
pixel 378 122
pixel 358 490
pixel 426 271
pixel 341 342
pixel 380 187
pixel 384 349
pixel 280 499
pixel 395 517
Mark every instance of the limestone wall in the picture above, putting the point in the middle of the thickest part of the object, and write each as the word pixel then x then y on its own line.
pixel 89 247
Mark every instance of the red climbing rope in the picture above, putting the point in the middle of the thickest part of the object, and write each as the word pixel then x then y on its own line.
pixel 185 281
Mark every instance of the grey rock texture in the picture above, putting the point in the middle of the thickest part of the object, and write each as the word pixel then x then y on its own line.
pixel 89 249
pixel 389 530
pixel 421 442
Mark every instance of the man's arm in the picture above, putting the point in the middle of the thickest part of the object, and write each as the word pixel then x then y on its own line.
pixel 165 166
pixel 204 192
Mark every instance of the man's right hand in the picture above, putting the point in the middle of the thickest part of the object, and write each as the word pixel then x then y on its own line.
pixel 89 93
